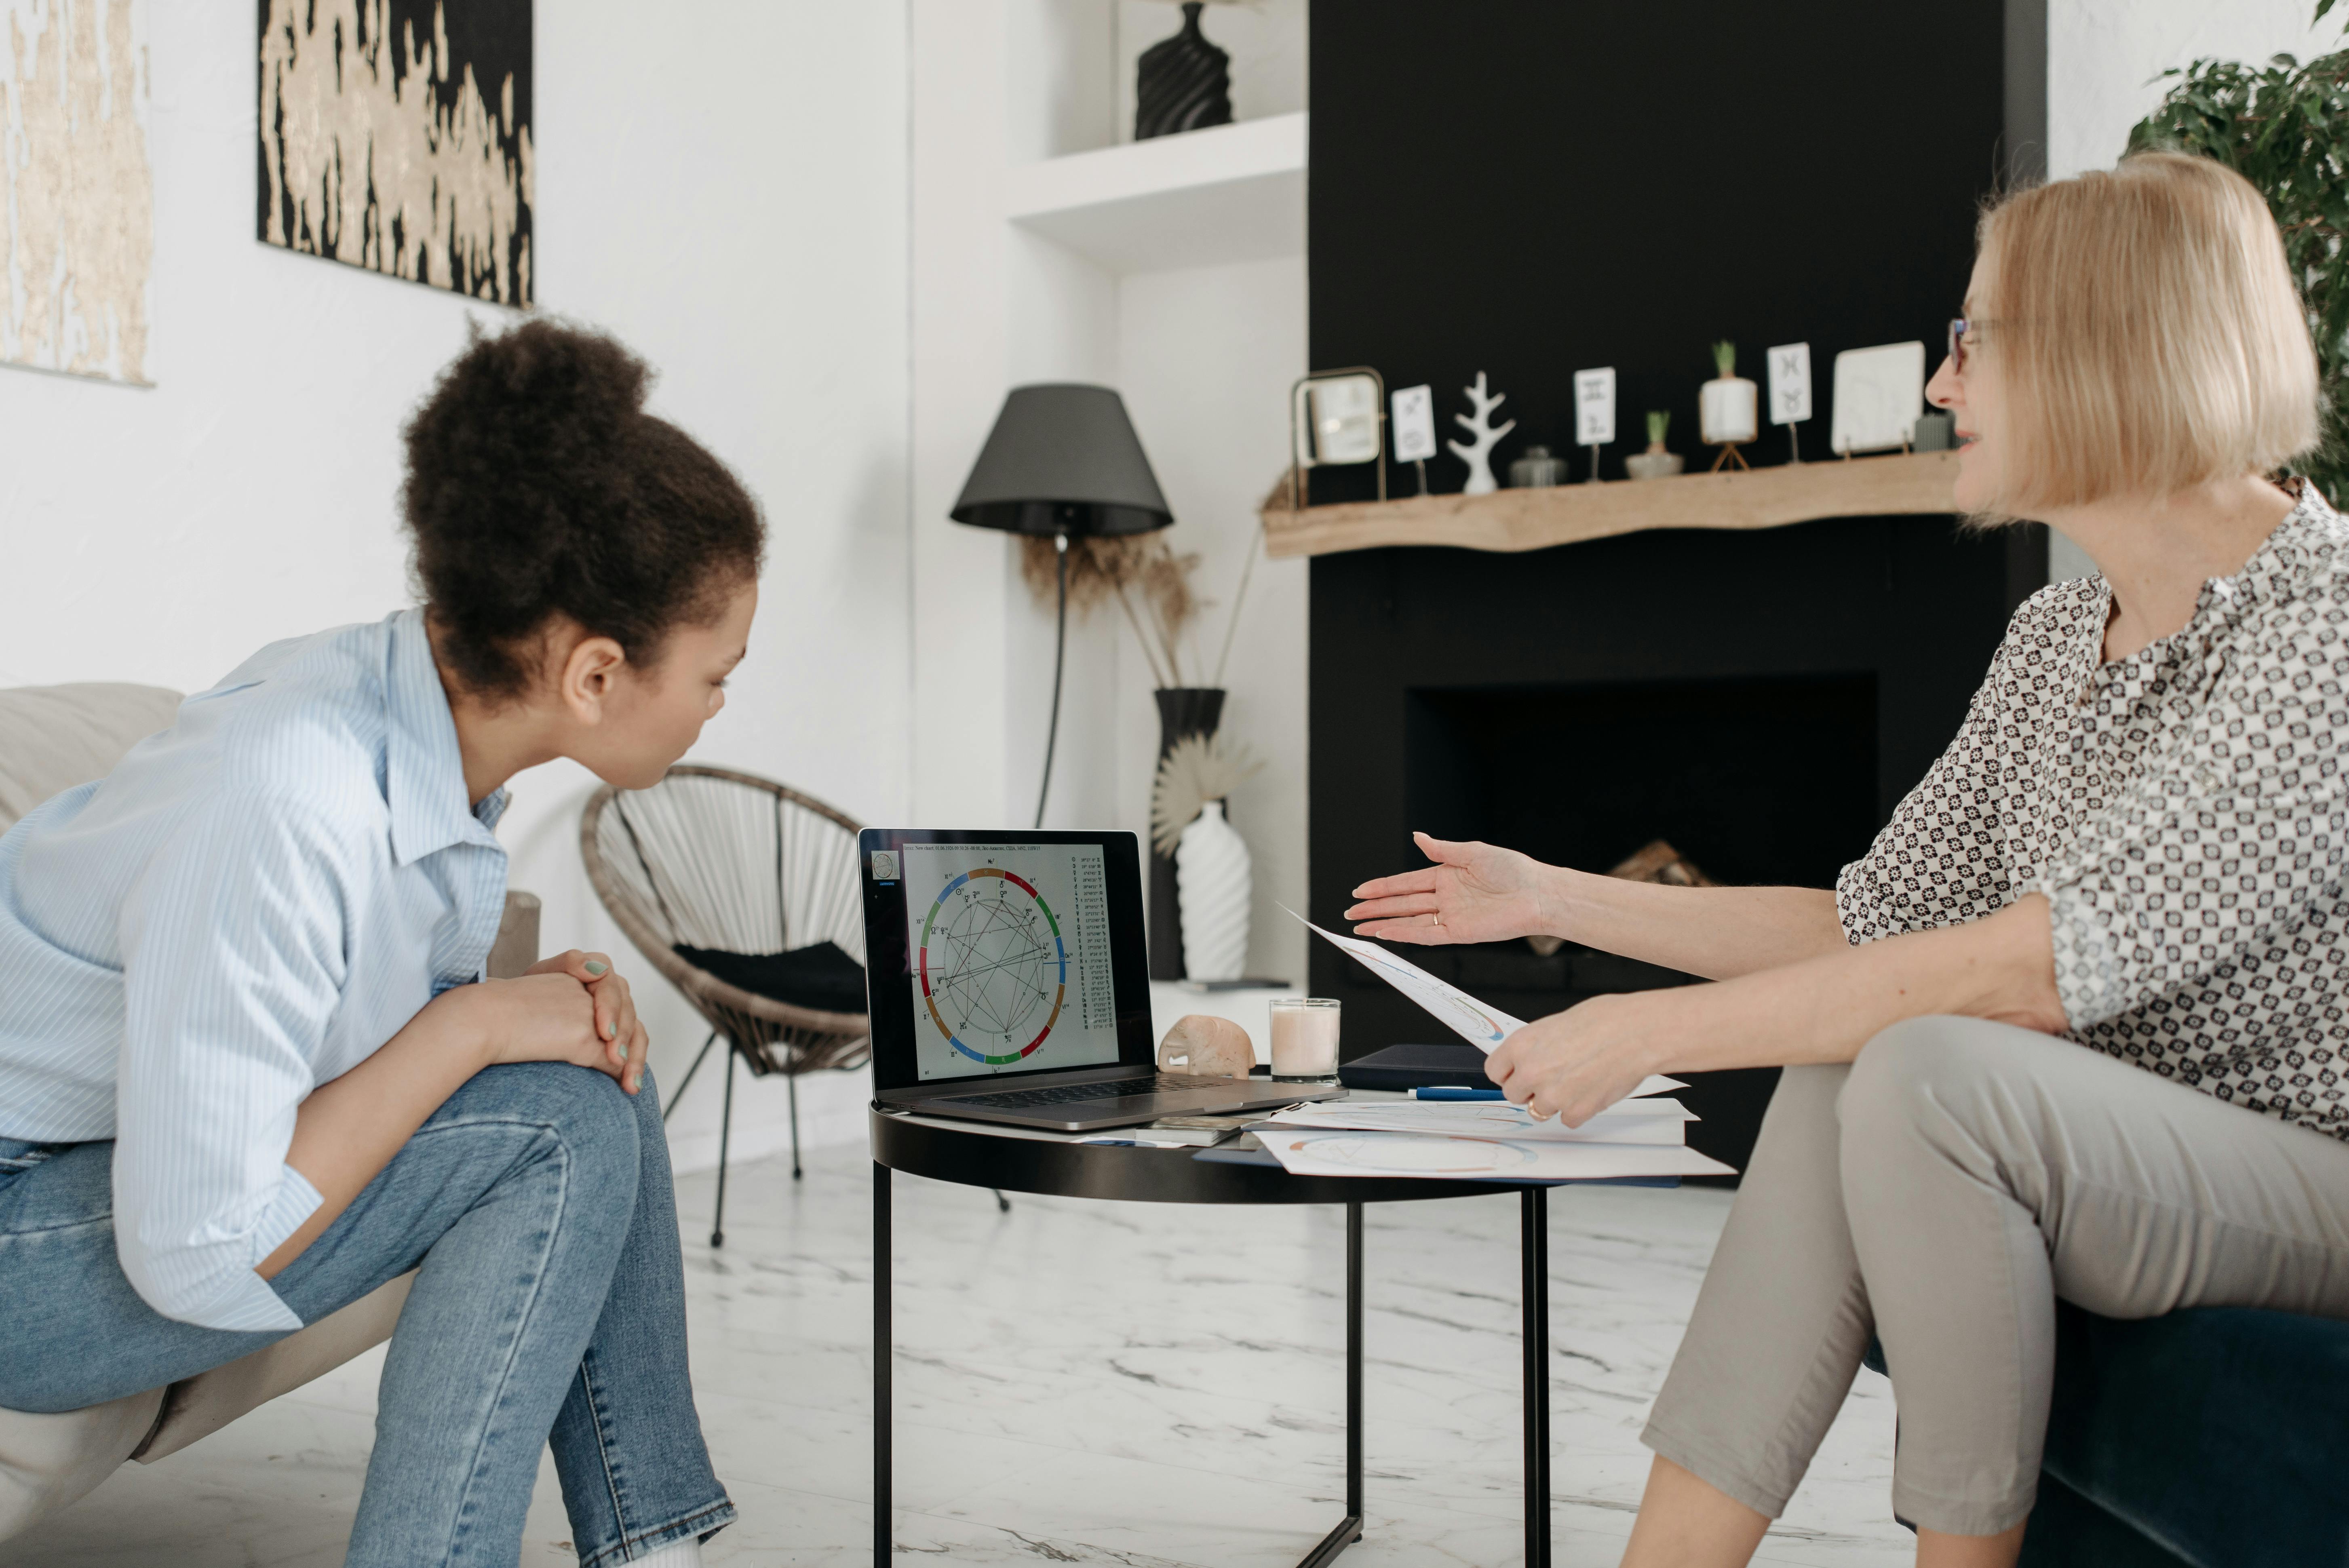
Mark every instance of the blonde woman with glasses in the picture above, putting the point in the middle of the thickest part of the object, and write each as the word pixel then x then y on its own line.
pixel 2074 1025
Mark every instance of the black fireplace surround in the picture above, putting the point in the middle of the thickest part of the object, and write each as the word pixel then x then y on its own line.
pixel 1527 189
pixel 1760 700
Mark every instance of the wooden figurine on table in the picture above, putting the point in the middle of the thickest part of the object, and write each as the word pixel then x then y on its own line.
pixel 1203 1046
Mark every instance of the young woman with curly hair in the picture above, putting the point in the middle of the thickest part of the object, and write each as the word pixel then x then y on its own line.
pixel 250 1067
pixel 2072 1027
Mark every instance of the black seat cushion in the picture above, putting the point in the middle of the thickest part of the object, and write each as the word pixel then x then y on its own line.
pixel 821 977
pixel 2216 1431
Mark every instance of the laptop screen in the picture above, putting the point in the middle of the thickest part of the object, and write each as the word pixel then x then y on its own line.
pixel 1006 950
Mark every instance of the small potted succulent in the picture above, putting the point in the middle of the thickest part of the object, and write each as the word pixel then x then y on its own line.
pixel 1726 407
pixel 1655 463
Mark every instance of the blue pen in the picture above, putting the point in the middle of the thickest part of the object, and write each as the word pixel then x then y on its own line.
pixel 1448 1091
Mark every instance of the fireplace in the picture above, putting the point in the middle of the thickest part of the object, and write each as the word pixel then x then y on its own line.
pixel 1760 700
pixel 1755 780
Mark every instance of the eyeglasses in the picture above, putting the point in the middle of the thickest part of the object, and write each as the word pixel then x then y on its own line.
pixel 1960 329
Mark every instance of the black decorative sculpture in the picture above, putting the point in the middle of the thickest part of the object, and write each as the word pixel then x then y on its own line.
pixel 1182 83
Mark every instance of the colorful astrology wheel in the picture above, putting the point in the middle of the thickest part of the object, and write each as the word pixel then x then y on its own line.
pixel 993 966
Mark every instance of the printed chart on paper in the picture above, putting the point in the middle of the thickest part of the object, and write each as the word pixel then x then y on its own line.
pixel 1466 1017
pixel 1371 1154
pixel 1011 957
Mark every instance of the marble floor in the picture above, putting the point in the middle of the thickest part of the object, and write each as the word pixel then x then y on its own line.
pixel 1157 1387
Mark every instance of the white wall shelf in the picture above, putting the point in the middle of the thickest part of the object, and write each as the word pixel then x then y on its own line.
pixel 1233 193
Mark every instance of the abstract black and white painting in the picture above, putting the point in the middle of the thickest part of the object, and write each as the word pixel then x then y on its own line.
pixel 395 136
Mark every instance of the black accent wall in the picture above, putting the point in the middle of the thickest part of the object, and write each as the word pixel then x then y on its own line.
pixel 1533 187
pixel 1529 188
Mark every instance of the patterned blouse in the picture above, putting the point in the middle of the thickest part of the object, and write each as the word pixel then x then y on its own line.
pixel 2184 811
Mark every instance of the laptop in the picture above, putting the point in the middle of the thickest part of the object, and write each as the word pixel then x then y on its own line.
pixel 1007 980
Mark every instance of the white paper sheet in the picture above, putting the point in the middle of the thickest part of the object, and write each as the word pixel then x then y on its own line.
pixel 1482 1026
pixel 1640 1121
pixel 1349 1153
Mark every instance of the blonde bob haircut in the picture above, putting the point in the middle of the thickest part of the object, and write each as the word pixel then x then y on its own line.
pixel 2146 334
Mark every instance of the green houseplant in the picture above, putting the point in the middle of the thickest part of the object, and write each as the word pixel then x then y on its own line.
pixel 2284 127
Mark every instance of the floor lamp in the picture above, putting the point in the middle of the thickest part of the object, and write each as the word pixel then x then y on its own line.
pixel 1062 462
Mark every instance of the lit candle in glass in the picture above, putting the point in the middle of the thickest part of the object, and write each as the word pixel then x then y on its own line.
pixel 1305 1039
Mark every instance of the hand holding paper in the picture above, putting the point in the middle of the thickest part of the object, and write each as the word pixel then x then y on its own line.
pixel 1571 1072
pixel 1576 1064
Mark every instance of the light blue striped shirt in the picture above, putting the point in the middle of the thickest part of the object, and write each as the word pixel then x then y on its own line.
pixel 249 906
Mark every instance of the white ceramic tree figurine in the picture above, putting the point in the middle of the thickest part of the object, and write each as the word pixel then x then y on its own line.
pixel 1477 456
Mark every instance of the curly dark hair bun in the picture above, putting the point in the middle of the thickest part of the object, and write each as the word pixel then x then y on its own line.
pixel 538 485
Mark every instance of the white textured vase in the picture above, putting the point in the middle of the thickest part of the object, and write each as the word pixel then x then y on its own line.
pixel 1212 876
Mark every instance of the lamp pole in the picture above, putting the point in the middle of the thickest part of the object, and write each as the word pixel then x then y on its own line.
pixel 1065 454
pixel 1059 658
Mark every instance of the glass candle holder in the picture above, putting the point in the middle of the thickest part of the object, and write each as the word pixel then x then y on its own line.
pixel 1305 1039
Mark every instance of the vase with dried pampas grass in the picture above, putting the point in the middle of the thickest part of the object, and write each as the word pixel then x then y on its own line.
pixel 1189 824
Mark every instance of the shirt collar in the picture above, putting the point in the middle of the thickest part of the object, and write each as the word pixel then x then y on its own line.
pixel 425 772
pixel 2284 562
pixel 2278 567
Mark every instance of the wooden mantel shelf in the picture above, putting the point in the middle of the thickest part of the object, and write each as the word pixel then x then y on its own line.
pixel 1568 513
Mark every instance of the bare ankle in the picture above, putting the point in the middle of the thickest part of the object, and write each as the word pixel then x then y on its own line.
pixel 1685 1521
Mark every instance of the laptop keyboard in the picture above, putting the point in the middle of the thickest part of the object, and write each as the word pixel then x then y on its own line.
pixel 1087 1093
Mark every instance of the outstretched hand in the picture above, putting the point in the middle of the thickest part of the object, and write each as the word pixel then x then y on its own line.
pixel 1473 892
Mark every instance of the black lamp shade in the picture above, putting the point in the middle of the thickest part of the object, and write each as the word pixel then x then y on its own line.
pixel 1062 459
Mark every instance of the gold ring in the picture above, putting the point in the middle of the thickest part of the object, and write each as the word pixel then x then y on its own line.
pixel 1438 918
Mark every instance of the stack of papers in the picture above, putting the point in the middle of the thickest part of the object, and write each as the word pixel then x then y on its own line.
pixel 1484 1142
pixel 1642 1135
pixel 1646 1122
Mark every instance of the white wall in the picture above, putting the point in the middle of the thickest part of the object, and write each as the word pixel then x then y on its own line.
pixel 1203 358
pixel 2104 57
pixel 1213 405
pixel 729 198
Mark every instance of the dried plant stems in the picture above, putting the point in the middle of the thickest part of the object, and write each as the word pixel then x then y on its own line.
pixel 1231 627
pixel 1141 637
pixel 1167 593
pixel 1169 611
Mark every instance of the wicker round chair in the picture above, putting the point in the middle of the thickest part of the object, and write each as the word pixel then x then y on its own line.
pixel 715 860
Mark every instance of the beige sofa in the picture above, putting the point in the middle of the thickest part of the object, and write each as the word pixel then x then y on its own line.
pixel 51 738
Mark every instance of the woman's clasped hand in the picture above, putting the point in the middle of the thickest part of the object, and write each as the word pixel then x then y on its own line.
pixel 573 1007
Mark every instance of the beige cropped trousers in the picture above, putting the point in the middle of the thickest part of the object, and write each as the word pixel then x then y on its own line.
pixel 1941 1192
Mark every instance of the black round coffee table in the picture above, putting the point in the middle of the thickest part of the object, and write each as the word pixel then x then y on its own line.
pixel 971 1154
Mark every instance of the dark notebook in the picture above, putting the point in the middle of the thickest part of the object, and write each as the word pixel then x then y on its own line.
pixel 821 976
pixel 1417 1066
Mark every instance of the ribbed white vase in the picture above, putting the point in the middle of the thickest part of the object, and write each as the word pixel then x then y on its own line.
pixel 1212 876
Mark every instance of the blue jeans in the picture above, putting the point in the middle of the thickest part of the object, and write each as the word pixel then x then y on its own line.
pixel 550 1309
